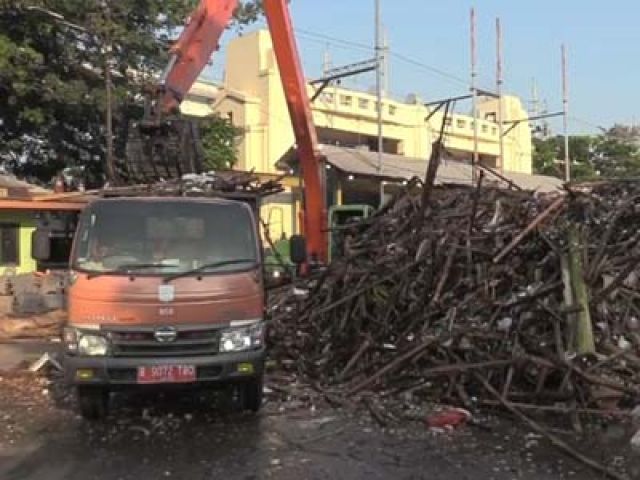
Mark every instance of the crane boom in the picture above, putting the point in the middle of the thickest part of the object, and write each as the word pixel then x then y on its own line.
pixel 193 50
pixel 190 55
pixel 295 92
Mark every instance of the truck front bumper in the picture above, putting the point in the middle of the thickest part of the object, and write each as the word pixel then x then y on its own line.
pixel 123 371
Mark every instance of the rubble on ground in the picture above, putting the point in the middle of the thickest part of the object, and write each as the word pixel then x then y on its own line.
pixel 461 300
pixel 33 326
pixel 32 293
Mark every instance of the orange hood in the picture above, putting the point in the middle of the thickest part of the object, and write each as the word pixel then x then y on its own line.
pixel 145 300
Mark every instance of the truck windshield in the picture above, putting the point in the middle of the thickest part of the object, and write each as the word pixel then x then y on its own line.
pixel 164 237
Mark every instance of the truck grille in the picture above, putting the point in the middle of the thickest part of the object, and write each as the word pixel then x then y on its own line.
pixel 190 341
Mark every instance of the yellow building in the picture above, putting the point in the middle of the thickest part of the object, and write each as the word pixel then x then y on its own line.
pixel 252 97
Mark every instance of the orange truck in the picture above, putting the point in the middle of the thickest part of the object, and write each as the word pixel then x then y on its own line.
pixel 164 291
pixel 170 290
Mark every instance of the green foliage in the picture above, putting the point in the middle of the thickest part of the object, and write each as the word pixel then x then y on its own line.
pixel 52 88
pixel 52 85
pixel 618 152
pixel 248 12
pixel 545 155
pixel 219 139
pixel 612 154
pixel 548 156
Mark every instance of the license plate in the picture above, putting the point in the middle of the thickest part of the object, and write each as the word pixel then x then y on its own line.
pixel 167 374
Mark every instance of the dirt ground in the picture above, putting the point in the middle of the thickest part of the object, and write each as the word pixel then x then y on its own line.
pixel 188 436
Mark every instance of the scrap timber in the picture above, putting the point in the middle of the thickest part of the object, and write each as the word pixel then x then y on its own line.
pixel 229 183
pixel 463 301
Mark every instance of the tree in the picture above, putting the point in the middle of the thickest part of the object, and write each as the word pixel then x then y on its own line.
pixel 548 156
pixel 219 138
pixel 52 87
pixel 545 157
pixel 612 154
pixel 617 152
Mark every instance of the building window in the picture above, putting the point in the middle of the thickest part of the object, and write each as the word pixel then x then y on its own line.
pixel 363 103
pixel 9 244
pixel 346 100
pixel 447 122
pixel 494 130
pixel 491 116
pixel 460 123
pixel 485 129
pixel 392 109
pixel 327 97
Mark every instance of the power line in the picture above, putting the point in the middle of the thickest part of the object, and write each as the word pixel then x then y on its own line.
pixel 587 123
pixel 327 38
pixel 321 37
pixel 429 68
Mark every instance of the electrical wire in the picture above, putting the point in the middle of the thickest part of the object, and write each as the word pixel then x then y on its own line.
pixel 429 68
pixel 588 123
pixel 349 44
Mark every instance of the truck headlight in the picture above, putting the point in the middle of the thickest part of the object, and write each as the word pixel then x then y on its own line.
pixel 239 339
pixel 85 341
pixel 92 345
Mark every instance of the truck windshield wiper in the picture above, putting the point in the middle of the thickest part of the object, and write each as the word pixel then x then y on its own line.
pixel 129 266
pixel 207 266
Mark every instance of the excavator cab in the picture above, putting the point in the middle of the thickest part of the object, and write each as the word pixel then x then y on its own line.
pixel 341 217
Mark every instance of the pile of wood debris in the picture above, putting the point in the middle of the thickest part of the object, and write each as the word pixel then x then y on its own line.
pixel 467 298
pixel 220 184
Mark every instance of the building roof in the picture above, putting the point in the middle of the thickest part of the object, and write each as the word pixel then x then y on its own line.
pixel 363 162
pixel 46 205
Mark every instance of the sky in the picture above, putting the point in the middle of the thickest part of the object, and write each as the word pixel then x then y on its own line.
pixel 430 50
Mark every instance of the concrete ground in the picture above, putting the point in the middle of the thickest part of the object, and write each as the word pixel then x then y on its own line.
pixel 188 436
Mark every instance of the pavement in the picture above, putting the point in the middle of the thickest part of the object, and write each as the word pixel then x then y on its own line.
pixel 189 436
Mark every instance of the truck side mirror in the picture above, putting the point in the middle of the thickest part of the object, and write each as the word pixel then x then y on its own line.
pixel 298 249
pixel 41 244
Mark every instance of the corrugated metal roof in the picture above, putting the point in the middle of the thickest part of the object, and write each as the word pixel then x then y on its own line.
pixel 364 162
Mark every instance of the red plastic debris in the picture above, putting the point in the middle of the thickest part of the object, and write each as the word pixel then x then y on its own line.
pixel 449 418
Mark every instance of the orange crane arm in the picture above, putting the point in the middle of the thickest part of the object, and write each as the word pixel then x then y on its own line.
pixel 192 52
pixel 295 92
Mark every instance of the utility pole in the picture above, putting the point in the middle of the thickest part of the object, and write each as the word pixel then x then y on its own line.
pixel 499 83
pixel 379 81
pixel 535 100
pixel 327 64
pixel 385 64
pixel 110 167
pixel 474 92
pixel 565 111
pixel 534 107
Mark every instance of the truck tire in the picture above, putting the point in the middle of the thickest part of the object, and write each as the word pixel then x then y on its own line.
pixel 93 402
pixel 252 395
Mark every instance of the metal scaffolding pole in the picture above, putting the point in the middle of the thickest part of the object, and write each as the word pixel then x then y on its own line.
pixel 474 91
pixel 499 83
pixel 379 80
pixel 565 111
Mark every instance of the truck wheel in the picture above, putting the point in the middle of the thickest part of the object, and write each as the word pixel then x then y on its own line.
pixel 93 402
pixel 252 395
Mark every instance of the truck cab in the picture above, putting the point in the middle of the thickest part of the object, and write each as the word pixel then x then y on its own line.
pixel 164 291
